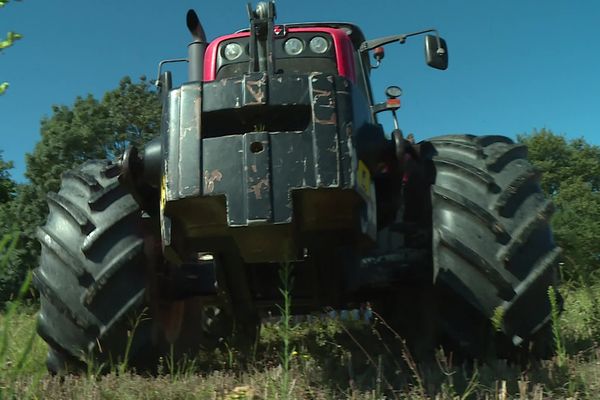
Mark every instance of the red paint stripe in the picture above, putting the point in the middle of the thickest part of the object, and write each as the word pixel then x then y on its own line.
pixel 344 51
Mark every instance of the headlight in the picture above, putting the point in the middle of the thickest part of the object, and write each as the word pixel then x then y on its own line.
pixel 319 44
pixel 293 46
pixel 232 51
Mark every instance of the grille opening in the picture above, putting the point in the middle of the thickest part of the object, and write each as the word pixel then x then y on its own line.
pixel 288 65
pixel 269 118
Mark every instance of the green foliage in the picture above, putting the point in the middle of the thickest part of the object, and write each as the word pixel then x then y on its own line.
pixel 93 129
pixel 22 214
pixel 560 160
pixel 11 38
pixel 571 177
pixel 561 353
pixel 4 2
pixel 14 360
pixel 498 318
pixel 577 229
pixel 7 185
pixel 319 370
pixel 287 283
pixel 89 129
pixel 580 320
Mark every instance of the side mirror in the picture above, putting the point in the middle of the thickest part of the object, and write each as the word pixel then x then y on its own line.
pixel 436 52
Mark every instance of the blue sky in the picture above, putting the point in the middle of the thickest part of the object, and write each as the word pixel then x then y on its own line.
pixel 515 65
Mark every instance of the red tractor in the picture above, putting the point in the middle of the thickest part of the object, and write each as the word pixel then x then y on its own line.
pixel 272 154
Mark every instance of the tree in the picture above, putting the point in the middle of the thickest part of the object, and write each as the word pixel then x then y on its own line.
pixel 7 185
pixel 571 177
pixel 128 115
pixel 8 189
pixel 11 38
pixel 577 228
pixel 90 129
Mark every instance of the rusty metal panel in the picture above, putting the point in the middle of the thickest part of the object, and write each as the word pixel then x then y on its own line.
pixel 182 142
pixel 190 142
pixel 257 174
pixel 325 130
pixel 222 166
pixel 293 168
pixel 258 171
pixel 255 89
pixel 346 124
pixel 171 147
pixel 289 90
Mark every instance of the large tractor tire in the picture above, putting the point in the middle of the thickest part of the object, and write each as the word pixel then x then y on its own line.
pixel 93 280
pixel 494 257
pixel 91 277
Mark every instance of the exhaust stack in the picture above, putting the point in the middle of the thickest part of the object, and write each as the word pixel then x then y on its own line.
pixel 196 48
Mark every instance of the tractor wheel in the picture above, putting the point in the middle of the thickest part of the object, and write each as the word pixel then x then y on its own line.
pixel 91 277
pixel 494 257
pixel 92 280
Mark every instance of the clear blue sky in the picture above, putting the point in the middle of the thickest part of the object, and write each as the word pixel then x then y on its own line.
pixel 515 65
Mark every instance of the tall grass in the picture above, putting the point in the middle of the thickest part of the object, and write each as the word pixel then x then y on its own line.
pixel 287 283
pixel 15 360
pixel 561 353
pixel 329 364
pixel 319 359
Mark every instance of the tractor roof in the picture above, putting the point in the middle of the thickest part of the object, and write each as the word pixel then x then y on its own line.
pixel 353 31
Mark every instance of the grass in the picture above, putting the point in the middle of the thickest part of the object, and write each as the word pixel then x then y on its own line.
pixel 287 284
pixel 328 359
pixel 319 358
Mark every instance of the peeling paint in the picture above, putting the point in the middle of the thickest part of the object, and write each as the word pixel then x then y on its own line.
pixel 256 88
pixel 349 130
pixel 331 121
pixel 257 189
pixel 317 93
pixel 210 178
pixel 258 94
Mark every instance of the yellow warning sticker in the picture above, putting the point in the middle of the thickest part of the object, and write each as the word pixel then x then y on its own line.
pixel 163 194
pixel 363 178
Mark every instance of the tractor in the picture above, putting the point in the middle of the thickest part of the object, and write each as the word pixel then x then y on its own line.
pixel 271 156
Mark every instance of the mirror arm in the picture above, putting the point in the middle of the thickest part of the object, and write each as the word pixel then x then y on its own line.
pixel 163 62
pixel 371 44
pixel 377 64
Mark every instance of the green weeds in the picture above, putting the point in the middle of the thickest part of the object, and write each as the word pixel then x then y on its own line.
pixel 17 340
pixel 561 353
pixel 318 358
pixel 287 283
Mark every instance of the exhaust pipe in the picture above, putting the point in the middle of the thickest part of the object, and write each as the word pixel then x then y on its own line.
pixel 196 48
